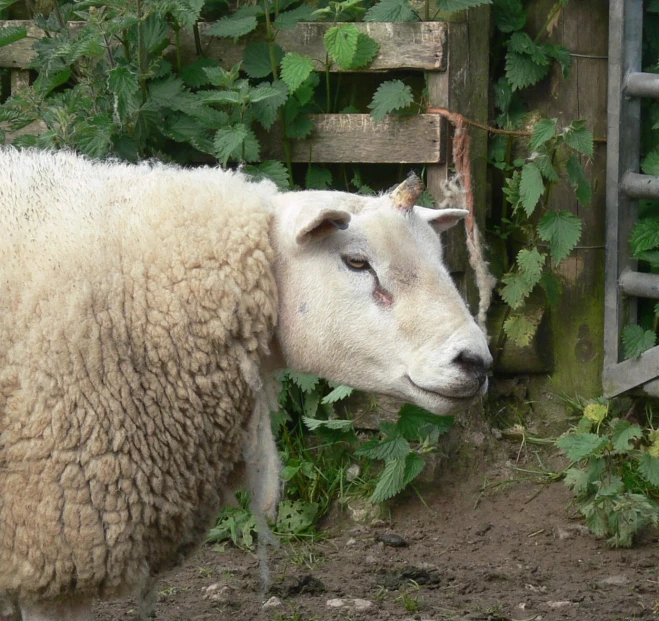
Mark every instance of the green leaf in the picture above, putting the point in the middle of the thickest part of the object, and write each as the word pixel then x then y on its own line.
pixel 263 92
pixel 163 92
pixel 295 69
pixel 651 256
pixel 233 27
pixel 256 59
pixel 582 445
pixel 340 392
pixel 622 433
pixel 530 263
pixel 531 187
pixel 520 329
pixel 546 168
pixel 392 447
pixel 194 75
pixel 367 50
pixel 273 170
pixel 336 424
pixel 390 96
pixel 561 55
pixel 523 71
pixel 544 130
pixel 645 236
pixel 222 78
pixel 451 6
pixel 578 136
pixel 341 44
pixel 289 19
pixel 636 340
pixel 578 179
pixel 412 417
pixel 391 481
pixel 227 140
pixel 123 83
pixel 516 289
pixel 391 11
pixel 521 43
pixel 648 466
pixel 5 4
pixel 552 288
pixel 266 111
pixel 304 94
pixel 650 163
pixel 562 230
pixel 11 34
pixel 414 465
pixel 305 381
pixel 317 178
pixel 295 516
pixel 509 15
pixel 296 123
pixel 45 83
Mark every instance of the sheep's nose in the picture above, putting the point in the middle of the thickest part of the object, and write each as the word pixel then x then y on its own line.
pixel 473 364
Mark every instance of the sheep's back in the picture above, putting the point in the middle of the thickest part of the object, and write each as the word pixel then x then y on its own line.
pixel 136 303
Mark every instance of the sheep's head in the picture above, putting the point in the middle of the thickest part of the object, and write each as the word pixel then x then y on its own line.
pixel 366 300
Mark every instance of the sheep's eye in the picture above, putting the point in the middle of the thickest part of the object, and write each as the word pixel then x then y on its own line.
pixel 357 264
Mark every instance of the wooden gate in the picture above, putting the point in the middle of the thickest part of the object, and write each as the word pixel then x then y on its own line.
pixel 625 186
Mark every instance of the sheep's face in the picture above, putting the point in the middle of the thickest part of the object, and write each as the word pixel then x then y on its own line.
pixel 366 300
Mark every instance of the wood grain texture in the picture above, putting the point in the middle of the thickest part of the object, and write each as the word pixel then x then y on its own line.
pixel 413 45
pixel 359 138
pixel 578 322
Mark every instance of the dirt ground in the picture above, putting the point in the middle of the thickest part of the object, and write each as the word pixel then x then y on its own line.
pixel 513 555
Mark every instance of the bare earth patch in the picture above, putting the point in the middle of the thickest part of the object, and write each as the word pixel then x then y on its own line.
pixel 511 556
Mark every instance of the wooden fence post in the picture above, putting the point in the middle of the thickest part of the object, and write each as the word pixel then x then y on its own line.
pixel 577 325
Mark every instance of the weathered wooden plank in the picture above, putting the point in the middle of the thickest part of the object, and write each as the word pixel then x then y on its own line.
pixel 412 45
pixel 19 78
pixel 359 138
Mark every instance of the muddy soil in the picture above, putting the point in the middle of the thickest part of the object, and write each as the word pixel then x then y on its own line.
pixel 513 554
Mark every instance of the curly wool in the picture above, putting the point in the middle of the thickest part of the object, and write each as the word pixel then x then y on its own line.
pixel 136 303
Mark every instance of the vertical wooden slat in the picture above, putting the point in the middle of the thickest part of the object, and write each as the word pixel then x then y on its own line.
pixel 463 88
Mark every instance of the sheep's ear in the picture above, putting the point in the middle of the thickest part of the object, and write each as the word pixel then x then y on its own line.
pixel 313 224
pixel 441 219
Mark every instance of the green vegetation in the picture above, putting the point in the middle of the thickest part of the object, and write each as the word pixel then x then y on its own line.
pixel 614 470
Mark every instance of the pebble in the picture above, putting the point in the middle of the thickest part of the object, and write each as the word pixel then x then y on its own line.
pixel 217 592
pixel 391 539
pixel 353 604
pixel 559 604
pixel 615 580
pixel 351 542
pixel 353 472
pixel 273 602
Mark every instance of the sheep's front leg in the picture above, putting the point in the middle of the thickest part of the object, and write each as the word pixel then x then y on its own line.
pixel 58 612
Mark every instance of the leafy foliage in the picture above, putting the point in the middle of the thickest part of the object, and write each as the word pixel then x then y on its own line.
pixel 614 473
pixel 390 96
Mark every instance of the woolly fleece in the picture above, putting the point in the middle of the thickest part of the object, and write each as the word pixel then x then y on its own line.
pixel 136 303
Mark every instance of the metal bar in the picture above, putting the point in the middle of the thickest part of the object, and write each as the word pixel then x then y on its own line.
pixel 631 373
pixel 639 284
pixel 640 84
pixel 635 186
pixel 623 139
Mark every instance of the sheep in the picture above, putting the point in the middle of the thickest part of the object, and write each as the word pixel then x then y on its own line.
pixel 144 312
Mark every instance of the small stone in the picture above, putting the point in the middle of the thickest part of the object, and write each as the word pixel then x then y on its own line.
pixel 353 472
pixel 370 559
pixel 335 603
pixel 273 602
pixel 361 604
pixel 615 580
pixel 559 604
pixel 391 539
pixel 563 534
pixel 218 593
pixel 351 542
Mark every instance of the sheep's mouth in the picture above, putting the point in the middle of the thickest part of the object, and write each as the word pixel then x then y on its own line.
pixel 455 398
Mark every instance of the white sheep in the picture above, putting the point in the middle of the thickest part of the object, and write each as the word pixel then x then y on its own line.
pixel 143 310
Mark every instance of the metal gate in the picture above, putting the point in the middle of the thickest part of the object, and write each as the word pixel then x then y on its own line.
pixel 625 186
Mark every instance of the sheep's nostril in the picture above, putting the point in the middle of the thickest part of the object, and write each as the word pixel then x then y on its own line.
pixel 472 363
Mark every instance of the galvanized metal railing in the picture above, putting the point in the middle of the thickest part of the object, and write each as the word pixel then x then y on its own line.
pixel 625 186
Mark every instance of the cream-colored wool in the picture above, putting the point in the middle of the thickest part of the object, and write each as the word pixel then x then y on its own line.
pixel 135 306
